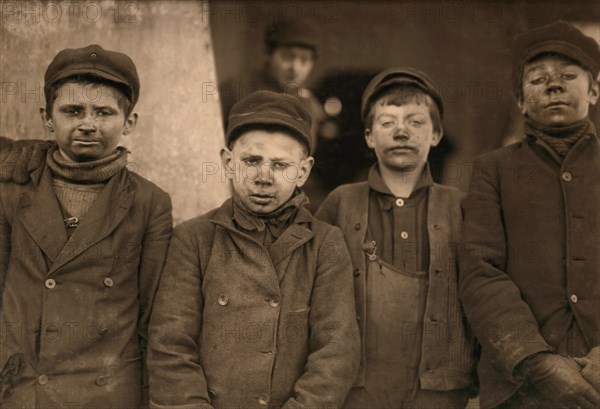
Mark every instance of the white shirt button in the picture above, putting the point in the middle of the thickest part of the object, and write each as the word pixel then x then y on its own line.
pixel 404 235
pixel 399 202
pixel 574 298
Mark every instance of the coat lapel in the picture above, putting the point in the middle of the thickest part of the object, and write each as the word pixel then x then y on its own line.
pixel 104 216
pixel 292 238
pixel 40 213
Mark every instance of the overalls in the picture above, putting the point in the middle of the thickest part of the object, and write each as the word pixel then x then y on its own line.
pixel 396 302
pixel 395 307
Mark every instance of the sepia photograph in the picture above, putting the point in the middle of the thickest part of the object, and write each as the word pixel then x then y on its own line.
pixel 299 204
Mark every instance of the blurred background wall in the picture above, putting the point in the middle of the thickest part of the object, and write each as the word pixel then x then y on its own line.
pixel 464 45
pixel 179 134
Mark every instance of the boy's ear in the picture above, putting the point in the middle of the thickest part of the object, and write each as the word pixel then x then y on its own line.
pixel 130 123
pixel 436 137
pixel 368 138
pixel 305 167
pixel 46 119
pixel 594 93
pixel 226 160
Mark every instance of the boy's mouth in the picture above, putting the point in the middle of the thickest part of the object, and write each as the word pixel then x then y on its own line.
pixel 262 198
pixel 556 104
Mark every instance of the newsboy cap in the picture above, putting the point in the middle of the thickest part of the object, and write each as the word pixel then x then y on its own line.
pixel 392 77
pixel 559 37
pixel 297 32
pixel 95 61
pixel 270 108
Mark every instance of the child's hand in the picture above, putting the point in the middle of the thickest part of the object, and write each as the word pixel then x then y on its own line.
pixel 591 367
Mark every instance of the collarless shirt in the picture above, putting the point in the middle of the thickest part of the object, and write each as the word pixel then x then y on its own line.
pixel 399 224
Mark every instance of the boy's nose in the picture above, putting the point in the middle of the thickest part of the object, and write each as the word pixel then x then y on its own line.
pixel 555 84
pixel 265 175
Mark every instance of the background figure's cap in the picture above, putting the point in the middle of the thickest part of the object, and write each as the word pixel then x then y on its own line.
pixel 559 37
pixel 270 108
pixel 395 77
pixel 95 61
pixel 298 33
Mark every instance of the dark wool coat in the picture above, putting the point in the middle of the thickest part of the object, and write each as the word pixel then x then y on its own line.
pixel 448 351
pixel 78 310
pixel 236 325
pixel 530 264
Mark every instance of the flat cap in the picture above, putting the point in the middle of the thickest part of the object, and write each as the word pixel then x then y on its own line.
pixel 270 108
pixel 95 61
pixel 392 77
pixel 559 37
pixel 298 33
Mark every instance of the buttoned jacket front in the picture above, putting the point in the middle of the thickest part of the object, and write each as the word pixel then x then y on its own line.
pixel 237 325
pixel 530 267
pixel 77 309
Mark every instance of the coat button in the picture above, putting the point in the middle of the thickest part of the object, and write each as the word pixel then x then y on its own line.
pixel 574 298
pixel 263 399
pixel 567 177
pixel 212 394
pixel 356 273
pixel 438 271
pixel 93 56
pixel 404 235
pixel 357 226
pixel 223 299
pixel 429 370
pixel 274 302
pixel 50 284
pixel 42 379
pixel 108 282
pixel 399 202
pixel 372 257
pixel 358 318
pixel 103 331
pixel 102 380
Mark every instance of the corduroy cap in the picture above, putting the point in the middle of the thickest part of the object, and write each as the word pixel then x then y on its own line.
pixel 398 77
pixel 270 108
pixel 298 32
pixel 95 61
pixel 559 37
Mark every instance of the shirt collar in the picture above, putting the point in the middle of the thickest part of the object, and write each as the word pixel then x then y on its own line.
pixel 376 183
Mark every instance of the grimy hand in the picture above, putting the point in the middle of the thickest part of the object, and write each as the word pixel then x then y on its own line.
pixel 559 379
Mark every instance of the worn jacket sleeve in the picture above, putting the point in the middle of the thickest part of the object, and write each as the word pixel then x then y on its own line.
pixel 334 353
pixel 153 254
pixel 176 377
pixel 501 320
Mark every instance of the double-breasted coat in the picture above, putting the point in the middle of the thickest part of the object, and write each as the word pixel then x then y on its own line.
pixel 77 309
pixel 237 325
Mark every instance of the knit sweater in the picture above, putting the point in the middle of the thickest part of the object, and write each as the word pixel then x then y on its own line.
pixel 78 184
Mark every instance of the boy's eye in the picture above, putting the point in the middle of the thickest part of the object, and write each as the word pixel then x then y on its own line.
pixel 387 124
pixel 280 165
pixel 252 162
pixel 105 113
pixel 416 123
pixel 537 80
pixel 569 76
pixel 71 111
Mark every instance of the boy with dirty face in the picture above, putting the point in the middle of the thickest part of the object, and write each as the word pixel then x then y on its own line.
pixel 255 307
pixel 402 231
pixel 530 267
pixel 83 242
